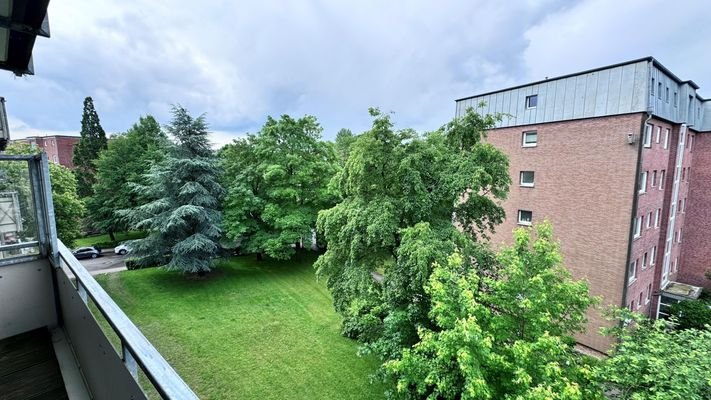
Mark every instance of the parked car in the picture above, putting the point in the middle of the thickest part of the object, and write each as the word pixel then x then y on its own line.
pixel 122 249
pixel 86 252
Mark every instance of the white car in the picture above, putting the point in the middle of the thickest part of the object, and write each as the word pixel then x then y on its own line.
pixel 121 249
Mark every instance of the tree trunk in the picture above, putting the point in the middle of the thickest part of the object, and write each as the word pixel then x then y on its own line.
pixel 260 257
pixel 111 235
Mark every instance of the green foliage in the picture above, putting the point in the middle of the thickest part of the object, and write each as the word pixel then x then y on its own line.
pixel 506 336
pixel 400 191
pixel 654 362
pixel 344 140
pixel 257 330
pixel 68 207
pixel 105 239
pixel 92 142
pixel 277 182
pixel 181 214
pixel 691 314
pixel 124 164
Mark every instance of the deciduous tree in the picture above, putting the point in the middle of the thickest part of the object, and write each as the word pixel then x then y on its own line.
pixel 502 337
pixel 277 182
pixel 401 194
pixel 124 164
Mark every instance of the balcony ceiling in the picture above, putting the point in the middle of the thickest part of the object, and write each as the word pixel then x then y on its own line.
pixel 21 21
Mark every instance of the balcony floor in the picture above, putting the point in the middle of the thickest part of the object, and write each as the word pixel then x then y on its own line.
pixel 29 368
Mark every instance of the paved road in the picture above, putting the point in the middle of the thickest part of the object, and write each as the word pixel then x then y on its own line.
pixel 108 262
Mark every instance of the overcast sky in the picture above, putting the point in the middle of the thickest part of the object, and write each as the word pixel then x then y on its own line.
pixel 240 61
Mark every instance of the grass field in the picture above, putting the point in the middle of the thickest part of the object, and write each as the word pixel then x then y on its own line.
pixel 251 330
pixel 120 236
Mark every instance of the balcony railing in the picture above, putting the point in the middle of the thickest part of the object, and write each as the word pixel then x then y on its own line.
pixel 43 286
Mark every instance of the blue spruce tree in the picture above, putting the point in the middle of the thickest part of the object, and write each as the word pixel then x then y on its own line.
pixel 182 217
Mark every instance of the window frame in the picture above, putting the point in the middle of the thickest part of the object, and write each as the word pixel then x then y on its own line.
pixel 527 184
pixel 659 134
pixel 666 138
pixel 637 227
pixel 647 138
pixel 642 188
pixel 523 139
pixel 528 101
pixel 521 221
pixel 653 256
pixel 632 272
pixel 657 217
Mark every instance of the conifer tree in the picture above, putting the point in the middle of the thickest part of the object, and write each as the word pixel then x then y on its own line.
pixel 92 142
pixel 182 215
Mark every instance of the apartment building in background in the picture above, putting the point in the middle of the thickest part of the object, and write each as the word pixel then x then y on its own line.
pixel 59 148
pixel 618 158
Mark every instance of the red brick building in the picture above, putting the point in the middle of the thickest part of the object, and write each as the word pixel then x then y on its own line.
pixel 616 158
pixel 59 148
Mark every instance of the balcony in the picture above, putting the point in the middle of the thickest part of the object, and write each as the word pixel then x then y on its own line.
pixel 61 335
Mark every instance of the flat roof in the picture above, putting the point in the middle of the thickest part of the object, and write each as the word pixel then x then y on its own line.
pixel 648 59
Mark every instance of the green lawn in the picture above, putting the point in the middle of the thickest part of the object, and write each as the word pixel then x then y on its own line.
pixel 252 330
pixel 120 236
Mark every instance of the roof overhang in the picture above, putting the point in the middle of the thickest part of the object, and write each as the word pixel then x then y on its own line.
pixel 21 21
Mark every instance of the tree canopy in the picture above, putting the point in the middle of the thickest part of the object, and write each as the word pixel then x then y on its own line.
pixel 93 141
pixel 652 361
pixel 507 336
pixel 400 194
pixel 181 212
pixel 277 181
pixel 122 165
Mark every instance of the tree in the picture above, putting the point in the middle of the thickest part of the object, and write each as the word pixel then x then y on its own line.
pixel 400 194
pixel 344 140
pixel 181 215
pixel 92 142
pixel 502 337
pixel 124 164
pixel 653 362
pixel 691 314
pixel 68 207
pixel 277 181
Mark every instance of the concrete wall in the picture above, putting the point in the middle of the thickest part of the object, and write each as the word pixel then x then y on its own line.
pixel 584 183
pixel 26 298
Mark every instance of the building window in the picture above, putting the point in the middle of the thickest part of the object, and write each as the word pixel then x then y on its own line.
pixel 649 220
pixel 652 86
pixel 657 217
pixel 530 139
pixel 532 101
pixel 659 90
pixel 676 99
pixel 637 227
pixel 683 205
pixel 667 95
pixel 643 182
pixel 632 272
pixel 683 173
pixel 666 138
pixel 644 261
pixel 676 263
pixel 526 178
pixel 632 306
pixel 659 134
pixel 525 217
pixel 639 304
pixel 649 294
pixel 688 174
pixel 647 140
pixel 654 178
pixel 662 177
pixel 653 256
pixel 676 236
pixel 679 238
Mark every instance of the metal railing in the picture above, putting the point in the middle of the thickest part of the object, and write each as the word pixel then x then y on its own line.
pixel 136 350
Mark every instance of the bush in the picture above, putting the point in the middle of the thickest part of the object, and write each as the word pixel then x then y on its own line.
pixel 691 314
pixel 135 263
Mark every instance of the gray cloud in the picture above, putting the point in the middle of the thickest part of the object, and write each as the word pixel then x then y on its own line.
pixel 242 61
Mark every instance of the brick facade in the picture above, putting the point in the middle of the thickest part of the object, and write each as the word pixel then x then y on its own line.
pixel 59 149
pixel 696 239
pixel 584 181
